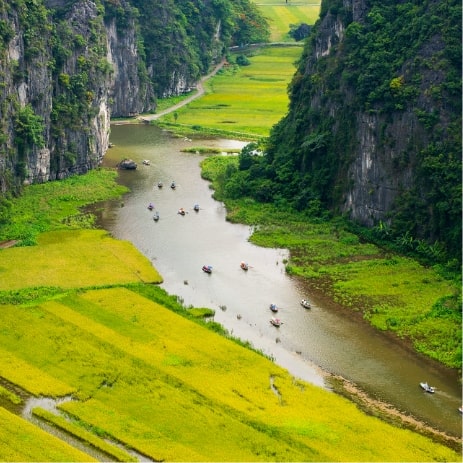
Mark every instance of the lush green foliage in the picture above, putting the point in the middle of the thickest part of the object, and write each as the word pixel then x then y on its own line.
pixel 183 35
pixel 392 292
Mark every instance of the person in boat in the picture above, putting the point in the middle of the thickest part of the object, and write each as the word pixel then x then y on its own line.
pixel 244 265
pixel 273 308
pixel 150 206
pixel 159 184
pixel 172 185
pixel 196 207
pixel 181 211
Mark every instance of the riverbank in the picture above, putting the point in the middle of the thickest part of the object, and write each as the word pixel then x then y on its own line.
pixel 419 305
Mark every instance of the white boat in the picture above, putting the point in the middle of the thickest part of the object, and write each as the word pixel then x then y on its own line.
pixel 273 308
pixel 196 207
pixel 276 322
pixel 146 162
pixel 306 304
pixel 156 216
pixel 428 388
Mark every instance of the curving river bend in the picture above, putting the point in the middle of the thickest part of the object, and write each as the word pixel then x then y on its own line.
pixel 310 342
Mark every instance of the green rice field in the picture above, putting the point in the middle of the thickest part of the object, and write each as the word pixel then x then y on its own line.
pixel 243 101
pixel 171 389
pixel 280 14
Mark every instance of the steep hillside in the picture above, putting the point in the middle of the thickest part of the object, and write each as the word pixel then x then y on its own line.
pixel 374 126
pixel 67 66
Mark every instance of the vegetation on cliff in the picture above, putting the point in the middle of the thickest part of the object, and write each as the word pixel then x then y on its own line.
pixel 399 66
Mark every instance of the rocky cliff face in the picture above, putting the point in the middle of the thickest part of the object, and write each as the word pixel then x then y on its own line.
pixel 67 66
pixel 374 126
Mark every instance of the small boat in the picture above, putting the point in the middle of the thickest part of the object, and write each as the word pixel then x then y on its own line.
pixel 460 409
pixel 196 207
pixel 306 304
pixel 150 206
pixel 181 211
pixel 427 388
pixel 244 265
pixel 146 162
pixel 160 185
pixel 156 216
pixel 273 308
pixel 207 268
pixel 276 322
pixel 173 185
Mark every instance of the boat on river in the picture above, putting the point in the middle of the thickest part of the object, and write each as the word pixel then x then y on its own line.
pixel 273 308
pixel 156 216
pixel 276 322
pixel 196 207
pixel 181 211
pixel 173 185
pixel 150 206
pixel 146 162
pixel 160 185
pixel 306 304
pixel 207 268
pixel 244 265
pixel 426 387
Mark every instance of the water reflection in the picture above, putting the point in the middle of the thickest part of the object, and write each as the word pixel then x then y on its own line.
pixel 325 336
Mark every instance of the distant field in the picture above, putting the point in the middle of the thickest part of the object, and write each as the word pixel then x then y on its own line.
pixel 281 14
pixel 246 101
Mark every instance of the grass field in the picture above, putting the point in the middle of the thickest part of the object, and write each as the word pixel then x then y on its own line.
pixel 173 390
pixel 243 101
pixel 280 14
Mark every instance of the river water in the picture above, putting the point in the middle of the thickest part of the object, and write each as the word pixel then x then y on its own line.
pixel 325 338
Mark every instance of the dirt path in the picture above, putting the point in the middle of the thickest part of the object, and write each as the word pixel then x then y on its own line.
pixel 199 92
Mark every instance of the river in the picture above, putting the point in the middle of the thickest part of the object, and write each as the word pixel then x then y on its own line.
pixel 311 342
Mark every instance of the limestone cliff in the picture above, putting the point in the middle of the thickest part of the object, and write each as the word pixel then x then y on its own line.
pixel 374 126
pixel 67 66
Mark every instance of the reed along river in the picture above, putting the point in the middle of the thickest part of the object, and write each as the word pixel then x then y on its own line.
pixel 310 342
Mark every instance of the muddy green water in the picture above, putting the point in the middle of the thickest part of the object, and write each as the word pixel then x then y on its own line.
pixel 310 342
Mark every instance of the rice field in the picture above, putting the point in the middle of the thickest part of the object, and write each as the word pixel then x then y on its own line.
pixel 61 256
pixel 243 101
pixel 280 14
pixel 174 390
